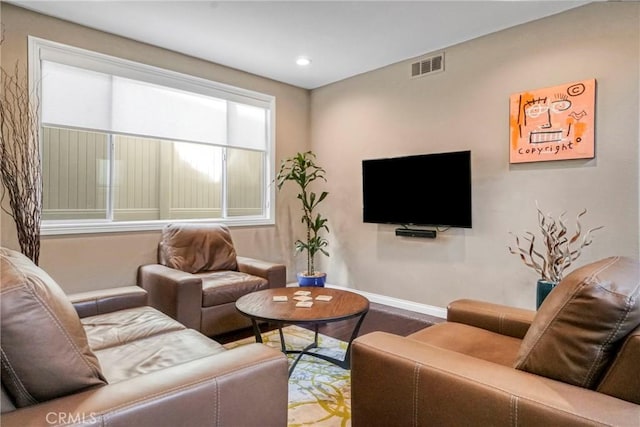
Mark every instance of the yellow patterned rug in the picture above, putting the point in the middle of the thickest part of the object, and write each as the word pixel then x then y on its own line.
pixel 319 391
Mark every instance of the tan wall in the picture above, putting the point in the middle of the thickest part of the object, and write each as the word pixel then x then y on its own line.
pixel 385 113
pixel 82 262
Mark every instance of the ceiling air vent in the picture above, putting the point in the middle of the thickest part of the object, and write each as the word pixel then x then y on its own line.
pixel 428 65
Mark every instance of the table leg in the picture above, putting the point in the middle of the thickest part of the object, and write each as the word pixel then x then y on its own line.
pixel 301 353
pixel 354 335
pixel 344 363
pixel 256 330
pixel 282 343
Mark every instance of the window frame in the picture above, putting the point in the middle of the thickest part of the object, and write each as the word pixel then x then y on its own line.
pixel 39 49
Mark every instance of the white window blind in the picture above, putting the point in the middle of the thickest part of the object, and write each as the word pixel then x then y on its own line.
pixel 247 126
pixel 75 97
pixel 86 99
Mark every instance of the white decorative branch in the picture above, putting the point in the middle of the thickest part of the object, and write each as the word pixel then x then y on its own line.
pixel 559 250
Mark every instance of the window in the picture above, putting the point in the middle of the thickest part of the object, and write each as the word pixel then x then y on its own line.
pixel 127 146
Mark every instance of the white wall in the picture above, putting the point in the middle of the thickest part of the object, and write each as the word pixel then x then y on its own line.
pixel 385 113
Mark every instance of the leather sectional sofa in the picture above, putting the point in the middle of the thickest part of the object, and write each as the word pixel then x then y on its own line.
pixel 106 358
pixel 574 362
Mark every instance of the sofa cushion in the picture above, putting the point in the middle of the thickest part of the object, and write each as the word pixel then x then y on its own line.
pixel 221 287
pixel 197 247
pixel 581 323
pixel 622 379
pixel 123 326
pixel 45 353
pixel 6 404
pixel 154 353
pixel 92 303
pixel 472 341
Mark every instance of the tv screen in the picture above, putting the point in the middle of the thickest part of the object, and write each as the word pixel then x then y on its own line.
pixel 426 189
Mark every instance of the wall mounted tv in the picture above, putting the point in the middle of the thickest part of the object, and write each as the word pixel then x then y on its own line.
pixel 426 189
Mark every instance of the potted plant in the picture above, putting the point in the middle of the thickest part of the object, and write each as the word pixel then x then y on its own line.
pixel 302 170
pixel 559 252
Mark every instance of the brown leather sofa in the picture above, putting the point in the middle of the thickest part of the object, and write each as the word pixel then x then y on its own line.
pixel 199 277
pixel 575 362
pixel 105 358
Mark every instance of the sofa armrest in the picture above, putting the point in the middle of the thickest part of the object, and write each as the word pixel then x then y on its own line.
pixel 176 293
pixel 102 301
pixel 497 318
pixel 228 388
pixel 275 273
pixel 398 381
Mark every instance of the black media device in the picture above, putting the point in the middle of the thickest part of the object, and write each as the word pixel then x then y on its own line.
pixel 426 189
pixel 416 232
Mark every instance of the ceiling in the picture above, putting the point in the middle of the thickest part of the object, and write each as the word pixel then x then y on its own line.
pixel 342 38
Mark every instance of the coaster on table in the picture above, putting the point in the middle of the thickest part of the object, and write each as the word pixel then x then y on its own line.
pixel 280 298
pixel 304 293
pixel 302 298
pixel 305 304
pixel 323 298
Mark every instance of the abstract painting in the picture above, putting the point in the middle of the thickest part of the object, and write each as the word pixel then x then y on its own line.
pixel 554 123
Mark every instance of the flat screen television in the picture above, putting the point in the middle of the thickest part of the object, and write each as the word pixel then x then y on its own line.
pixel 426 189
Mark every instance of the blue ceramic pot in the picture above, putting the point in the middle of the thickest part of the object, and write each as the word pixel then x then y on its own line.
pixel 542 290
pixel 317 280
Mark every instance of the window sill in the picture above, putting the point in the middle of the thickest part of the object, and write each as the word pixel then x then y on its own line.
pixel 57 228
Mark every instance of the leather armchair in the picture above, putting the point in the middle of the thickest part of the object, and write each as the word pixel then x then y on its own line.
pixel 199 277
pixel 572 363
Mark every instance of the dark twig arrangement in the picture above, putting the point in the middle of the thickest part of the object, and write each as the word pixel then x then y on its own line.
pixel 20 160
pixel 560 249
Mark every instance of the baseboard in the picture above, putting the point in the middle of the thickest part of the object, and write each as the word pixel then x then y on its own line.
pixel 399 303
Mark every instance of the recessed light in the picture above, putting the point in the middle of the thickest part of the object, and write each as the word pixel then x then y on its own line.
pixel 303 61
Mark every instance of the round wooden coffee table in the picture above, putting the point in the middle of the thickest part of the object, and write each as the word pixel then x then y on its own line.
pixel 341 305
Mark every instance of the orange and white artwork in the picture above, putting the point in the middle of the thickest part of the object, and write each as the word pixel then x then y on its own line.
pixel 554 123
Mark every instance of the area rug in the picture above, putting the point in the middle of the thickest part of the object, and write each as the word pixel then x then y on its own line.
pixel 319 391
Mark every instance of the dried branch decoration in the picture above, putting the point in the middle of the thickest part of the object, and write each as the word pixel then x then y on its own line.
pixel 20 160
pixel 560 250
